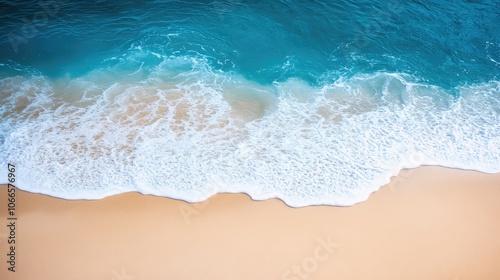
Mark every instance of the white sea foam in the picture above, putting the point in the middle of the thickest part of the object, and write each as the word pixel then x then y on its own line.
pixel 200 133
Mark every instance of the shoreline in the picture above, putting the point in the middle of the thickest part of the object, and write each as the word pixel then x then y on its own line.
pixel 399 176
pixel 427 223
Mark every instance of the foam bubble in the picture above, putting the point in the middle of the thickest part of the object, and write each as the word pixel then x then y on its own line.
pixel 201 132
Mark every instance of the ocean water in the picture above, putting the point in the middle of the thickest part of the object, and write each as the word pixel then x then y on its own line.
pixel 312 102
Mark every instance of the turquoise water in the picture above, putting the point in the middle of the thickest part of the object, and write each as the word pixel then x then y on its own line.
pixel 314 102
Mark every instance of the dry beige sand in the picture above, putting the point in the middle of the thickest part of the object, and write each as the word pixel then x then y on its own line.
pixel 428 223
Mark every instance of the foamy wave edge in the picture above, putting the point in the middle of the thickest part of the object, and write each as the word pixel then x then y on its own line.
pixel 329 145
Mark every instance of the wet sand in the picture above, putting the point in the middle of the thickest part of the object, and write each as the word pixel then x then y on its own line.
pixel 428 223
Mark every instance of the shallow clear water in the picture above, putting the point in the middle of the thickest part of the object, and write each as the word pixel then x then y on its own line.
pixel 314 102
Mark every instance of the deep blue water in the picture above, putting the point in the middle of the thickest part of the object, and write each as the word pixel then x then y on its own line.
pixel 446 43
pixel 315 102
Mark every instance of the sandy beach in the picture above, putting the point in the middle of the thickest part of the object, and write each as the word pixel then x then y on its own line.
pixel 428 223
